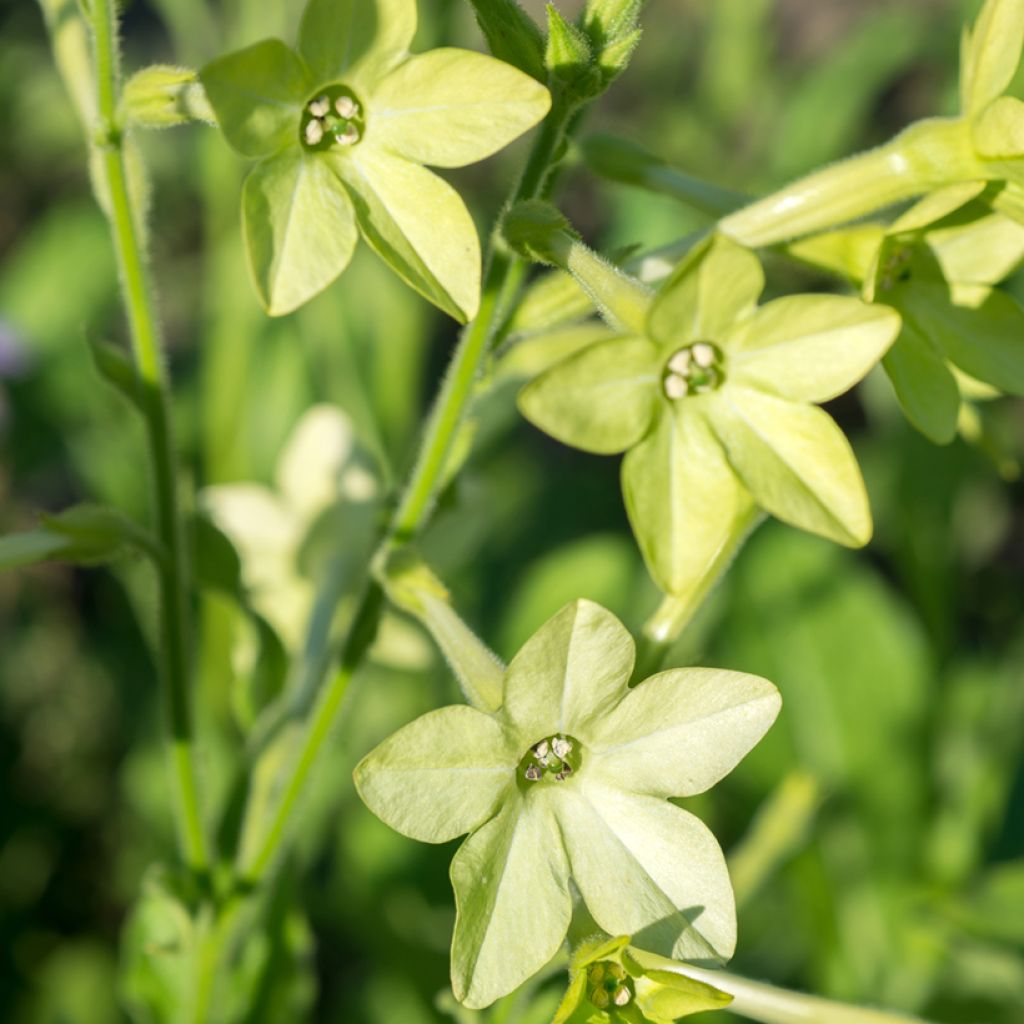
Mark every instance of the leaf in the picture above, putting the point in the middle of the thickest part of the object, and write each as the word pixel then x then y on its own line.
pixel 511 899
pixel 601 399
pixel 809 347
pixel 795 462
pixel 679 732
pixel 359 40
pixel 417 224
pixel 512 35
pixel 30 548
pixel 454 107
pixel 990 54
pixel 299 229
pixel 257 94
pixel 924 385
pixel 115 366
pixel 441 775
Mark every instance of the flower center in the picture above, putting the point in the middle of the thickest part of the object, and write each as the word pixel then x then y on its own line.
pixel 693 370
pixel 553 759
pixel 334 117
pixel 608 985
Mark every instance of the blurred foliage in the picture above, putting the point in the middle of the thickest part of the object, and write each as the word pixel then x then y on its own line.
pixel 901 666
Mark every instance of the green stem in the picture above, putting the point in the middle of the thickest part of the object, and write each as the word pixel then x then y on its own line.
pixel 147 350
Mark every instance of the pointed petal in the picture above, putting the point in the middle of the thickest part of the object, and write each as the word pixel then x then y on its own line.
pixel 417 224
pixel 809 347
pixel 512 901
pixel 681 731
pixel 795 462
pixel 990 54
pixel 569 673
pixel 648 869
pixel 683 498
pixel 358 40
pixel 299 229
pixel 600 399
pixel 925 385
pixel 716 285
pixel 453 107
pixel 257 94
pixel 441 775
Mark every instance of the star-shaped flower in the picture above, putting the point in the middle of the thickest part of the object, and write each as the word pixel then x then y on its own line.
pixel 570 778
pixel 712 396
pixel 342 128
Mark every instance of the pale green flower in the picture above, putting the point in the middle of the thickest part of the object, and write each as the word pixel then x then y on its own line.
pixel 569 778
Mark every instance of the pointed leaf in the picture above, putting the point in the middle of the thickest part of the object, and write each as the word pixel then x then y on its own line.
pixel 512 35
pixel 601 399
pixel 453 107
pixel 417 224
pixel 512 901
pixel 795 462
pixel 257 94
pixel 681 731
pixel 990 54
pixel 299 229
pixel 441 775
pixel 809 347
pixel 30 548
pixel 924 385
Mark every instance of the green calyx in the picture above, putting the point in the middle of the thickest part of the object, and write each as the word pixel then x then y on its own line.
pixel 609 985
pixel 334 117
pixel 693 370
pixel 552 759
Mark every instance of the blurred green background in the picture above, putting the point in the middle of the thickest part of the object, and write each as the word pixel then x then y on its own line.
pixel 889 867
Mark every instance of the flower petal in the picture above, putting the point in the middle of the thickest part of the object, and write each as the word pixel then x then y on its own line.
pixel 441 775
pixel 681 731
pixel 809 347
pixel 453 107
pixel 649 869
pixel 299 228
pixel 600 399
pixel 257 94
pixel 417 224
pixel 512 901
pixel 717 284
pixel 683 498
pixel 990 54
pixel 358 40
pixel 572 671
pixel 795 462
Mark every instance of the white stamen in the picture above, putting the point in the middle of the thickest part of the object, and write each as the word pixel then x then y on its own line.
pixel 314 133
pixel 532 772
pixel 703 354
pixel 348 137
pixel 676 387
pixel 320 106
pixel 621 996
pixel 541 750
pixel 680 362
pixel 560 747
pixel 346 107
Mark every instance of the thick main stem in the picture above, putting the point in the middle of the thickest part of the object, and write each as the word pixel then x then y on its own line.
pixel 146 347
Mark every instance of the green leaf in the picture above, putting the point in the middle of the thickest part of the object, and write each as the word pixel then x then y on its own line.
pixel 441 775
pixel 512 35
pixel 717 284
pixel 417 224
pixel 924 385
pixel 649 869
pixel 30 548
pixel 683 498
pixel 115 366
pixel 679 732
pixel 358 40
pixel 568 55
pixel 809 347
pixel 299 226
pixel 990 54
pixel 512 901
pixel 453 107
pixel 601 399
pixel 795 462
pixel 569 673
pixel 257 94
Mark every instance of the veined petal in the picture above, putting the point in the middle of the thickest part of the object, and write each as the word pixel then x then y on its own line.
pixel 795 462
pixel 717 284
pixel 809 347
pixel 569 673
pixel 680 731
pixel 299 228
pixel 441 775
pixel 990 53
pixel 601 399
pixel 358 40
pixel 648 869
pixel 417 224
pixel 512 902
pixel 453 107
pixel 683 498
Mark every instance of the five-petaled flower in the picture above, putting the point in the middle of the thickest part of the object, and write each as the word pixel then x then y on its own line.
pixel 342 128
pixel 570 777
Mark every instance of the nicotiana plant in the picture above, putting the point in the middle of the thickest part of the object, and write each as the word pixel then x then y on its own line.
pixel 562 768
